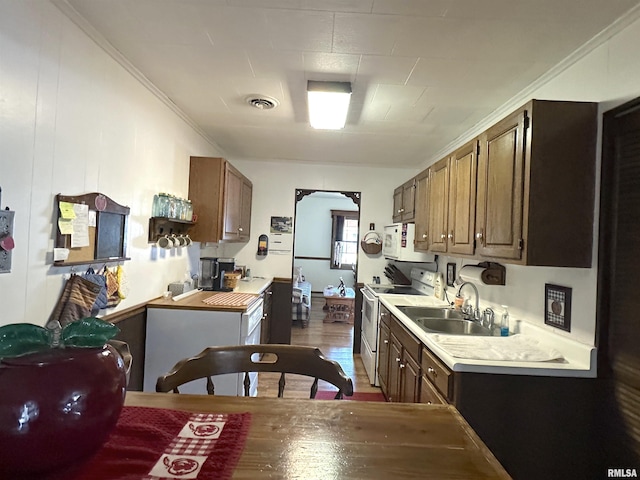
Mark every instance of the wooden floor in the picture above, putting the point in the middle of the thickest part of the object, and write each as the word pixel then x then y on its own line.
pixel 335 340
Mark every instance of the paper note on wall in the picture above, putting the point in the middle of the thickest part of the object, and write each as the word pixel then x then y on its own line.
pixel 80 235
pixel 280 242
pixel 67 211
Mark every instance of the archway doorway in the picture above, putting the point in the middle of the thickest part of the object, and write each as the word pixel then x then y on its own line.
pixel 325 244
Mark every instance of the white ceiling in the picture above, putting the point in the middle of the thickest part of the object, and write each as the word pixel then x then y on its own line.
pixel 423 72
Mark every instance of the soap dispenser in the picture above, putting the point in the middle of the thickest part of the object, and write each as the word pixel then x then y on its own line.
pixel 504 322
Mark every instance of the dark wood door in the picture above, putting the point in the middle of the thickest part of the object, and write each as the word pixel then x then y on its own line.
pixel 408 201
pixel 409 379
pixel 383 358
pixel 618 318
pixel 397 204
pixel 500 189
pixel 422 211
pixel 438 205
pixel 395 357
pixel 462 199
pixel 232 203
pixel 244 228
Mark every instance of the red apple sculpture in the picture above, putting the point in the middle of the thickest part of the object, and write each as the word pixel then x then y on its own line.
pixel 58 404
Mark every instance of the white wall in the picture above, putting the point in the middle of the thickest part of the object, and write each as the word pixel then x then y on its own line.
pixel 74 121
pixel 313 230
pixel 274 186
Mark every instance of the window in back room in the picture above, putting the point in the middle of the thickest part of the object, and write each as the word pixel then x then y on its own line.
pixel 344 239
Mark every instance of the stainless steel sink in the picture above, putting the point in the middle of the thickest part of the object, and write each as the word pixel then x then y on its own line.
pixel 452 326
pixel 444 320
pixel 414 312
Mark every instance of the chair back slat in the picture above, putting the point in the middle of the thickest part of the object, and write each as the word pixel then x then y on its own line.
pixel 281 383
pixel 293 359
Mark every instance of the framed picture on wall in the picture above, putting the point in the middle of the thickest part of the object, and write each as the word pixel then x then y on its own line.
pixel 557 306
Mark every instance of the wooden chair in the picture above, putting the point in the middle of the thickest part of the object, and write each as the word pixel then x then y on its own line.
pixel 293 359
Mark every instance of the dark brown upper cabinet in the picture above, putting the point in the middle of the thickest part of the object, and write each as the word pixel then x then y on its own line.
pixel 536 185
pixel 221 198
pixel 404 202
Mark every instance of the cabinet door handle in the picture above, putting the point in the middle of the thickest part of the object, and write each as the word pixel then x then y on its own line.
pixel 386 342
pixel 402 365
pixel 240 229
pixel 432 372
pixel 398 360
pixel 480 236
pixel 451 237
pixel 443 236
pixel 424 236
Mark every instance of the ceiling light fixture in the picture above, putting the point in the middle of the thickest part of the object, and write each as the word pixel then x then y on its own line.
pixel 328 104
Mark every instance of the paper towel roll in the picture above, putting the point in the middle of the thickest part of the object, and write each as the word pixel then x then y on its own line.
pixel 471 273
pixel 486 274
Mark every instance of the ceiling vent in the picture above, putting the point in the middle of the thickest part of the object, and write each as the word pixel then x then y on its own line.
pixel 262 102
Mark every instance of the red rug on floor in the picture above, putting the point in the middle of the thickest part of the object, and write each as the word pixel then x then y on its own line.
pixel 358 396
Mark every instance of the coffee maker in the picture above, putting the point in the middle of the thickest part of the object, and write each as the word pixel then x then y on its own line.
pixel 212 272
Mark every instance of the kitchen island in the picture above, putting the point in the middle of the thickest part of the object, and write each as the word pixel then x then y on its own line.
pixel 183 328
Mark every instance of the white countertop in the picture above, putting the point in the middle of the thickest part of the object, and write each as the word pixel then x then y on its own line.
pixel 255 285
pixel 579 359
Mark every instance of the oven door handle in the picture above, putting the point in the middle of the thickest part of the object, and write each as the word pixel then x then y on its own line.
pixel 364 294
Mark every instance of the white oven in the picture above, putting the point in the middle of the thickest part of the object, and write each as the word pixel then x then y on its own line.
pixel 422 284
pixel 369 336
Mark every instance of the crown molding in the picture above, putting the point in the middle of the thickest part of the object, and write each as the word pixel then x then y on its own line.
pixel 525 94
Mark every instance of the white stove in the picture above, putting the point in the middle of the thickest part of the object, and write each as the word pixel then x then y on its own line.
pixel 422 282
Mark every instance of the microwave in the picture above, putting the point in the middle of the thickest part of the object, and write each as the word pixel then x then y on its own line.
pixel 398 241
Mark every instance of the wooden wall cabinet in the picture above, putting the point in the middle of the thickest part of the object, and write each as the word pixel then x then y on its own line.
pixel 438 205
pixel 462 199
pixel 421 241
pixel 221 198
pixel 452 202
pixel 404 202
pixel 523 192
pixel 536 185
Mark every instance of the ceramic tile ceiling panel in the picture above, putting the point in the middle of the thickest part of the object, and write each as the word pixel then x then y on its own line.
pixel 423 72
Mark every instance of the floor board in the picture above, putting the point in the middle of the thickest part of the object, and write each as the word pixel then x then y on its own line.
pixel 335 340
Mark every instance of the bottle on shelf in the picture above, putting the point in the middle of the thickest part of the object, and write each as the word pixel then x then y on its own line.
pixel 188 211
pixel 171 210
pixel 504 322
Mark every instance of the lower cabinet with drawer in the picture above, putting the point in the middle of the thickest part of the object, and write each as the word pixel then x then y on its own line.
pixel 437 380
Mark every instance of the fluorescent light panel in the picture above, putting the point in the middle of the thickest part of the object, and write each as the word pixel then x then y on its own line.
pixel 328 104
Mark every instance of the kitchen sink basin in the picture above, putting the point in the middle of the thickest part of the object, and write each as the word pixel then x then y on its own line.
pixel 444 320
pixel 414 312
pixel 452 326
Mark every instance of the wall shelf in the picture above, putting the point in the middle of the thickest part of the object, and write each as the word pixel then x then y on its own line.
pixel 161 226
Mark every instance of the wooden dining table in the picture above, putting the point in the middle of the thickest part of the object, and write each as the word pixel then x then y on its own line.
pixel 340 439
